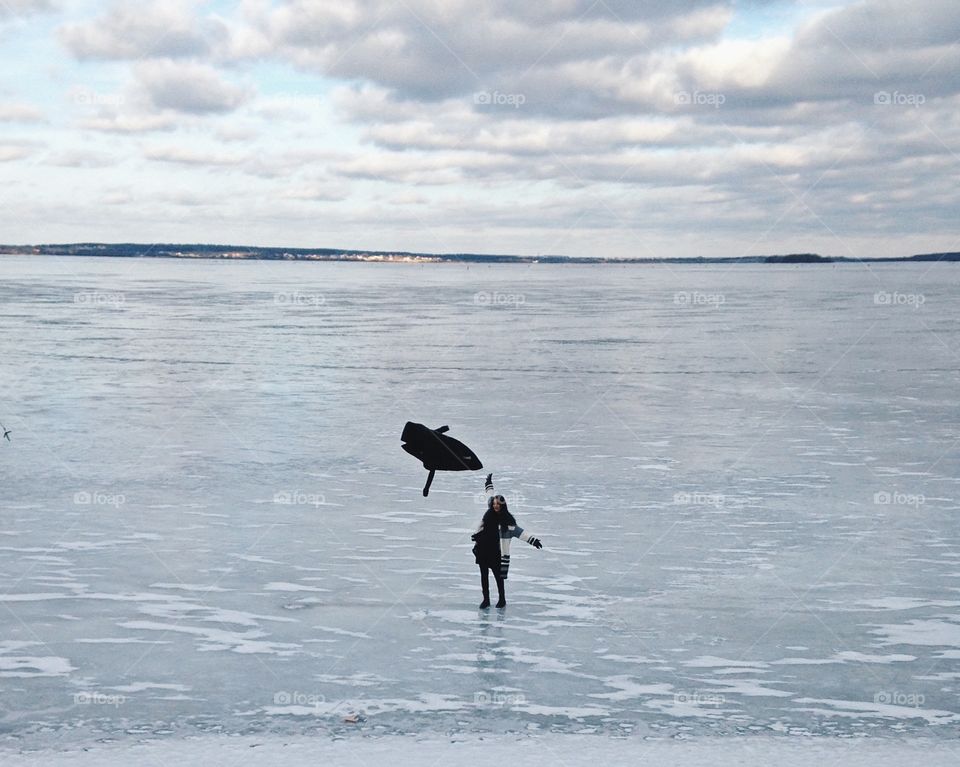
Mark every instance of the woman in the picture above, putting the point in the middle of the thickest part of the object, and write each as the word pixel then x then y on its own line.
pixel 492 548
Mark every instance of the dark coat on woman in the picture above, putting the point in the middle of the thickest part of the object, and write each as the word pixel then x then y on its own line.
pixel 487 549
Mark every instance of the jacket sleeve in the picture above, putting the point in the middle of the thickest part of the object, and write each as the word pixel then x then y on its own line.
pixel 506 535
pixel 518 532
pixel 488 488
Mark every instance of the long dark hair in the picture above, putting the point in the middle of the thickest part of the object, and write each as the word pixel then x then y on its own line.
pixel 505 517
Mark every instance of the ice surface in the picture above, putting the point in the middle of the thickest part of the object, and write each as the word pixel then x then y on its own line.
pixel 749 511
pixel 531 751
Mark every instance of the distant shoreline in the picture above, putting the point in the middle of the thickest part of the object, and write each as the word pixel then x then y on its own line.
pixel 250 253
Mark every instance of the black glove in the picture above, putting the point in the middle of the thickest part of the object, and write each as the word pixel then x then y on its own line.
pixel 475 537
pixel 535 542
pixel 488 485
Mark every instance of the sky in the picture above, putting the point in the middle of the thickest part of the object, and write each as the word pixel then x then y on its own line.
pixel 618 128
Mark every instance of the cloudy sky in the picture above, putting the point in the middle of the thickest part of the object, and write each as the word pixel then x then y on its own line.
pixel 607 127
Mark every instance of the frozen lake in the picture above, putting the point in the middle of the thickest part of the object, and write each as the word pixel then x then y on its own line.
pixel 745 479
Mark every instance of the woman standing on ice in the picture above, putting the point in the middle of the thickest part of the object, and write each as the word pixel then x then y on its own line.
pixel 492 549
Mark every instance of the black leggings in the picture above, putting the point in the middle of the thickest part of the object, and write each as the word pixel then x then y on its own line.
pixel 485 581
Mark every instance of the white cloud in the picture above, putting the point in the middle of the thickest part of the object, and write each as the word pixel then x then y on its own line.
pixel 82 158
pixel 25 7
pixel 430 50
pixel 142 30
pixel 237 133
pixel 316 191
pixel 116 122
pixel 188 87
pixel 187 156
pixel 20 113
pixel 887 25
pixel 406 168
pixel 14 151
pixel 739 63
pixel 537 118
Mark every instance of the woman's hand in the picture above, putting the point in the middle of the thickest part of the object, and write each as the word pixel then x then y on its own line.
pixel 535 542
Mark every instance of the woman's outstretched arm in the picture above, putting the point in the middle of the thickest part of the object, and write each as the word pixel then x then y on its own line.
pixel 488 487
pixel 515 531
